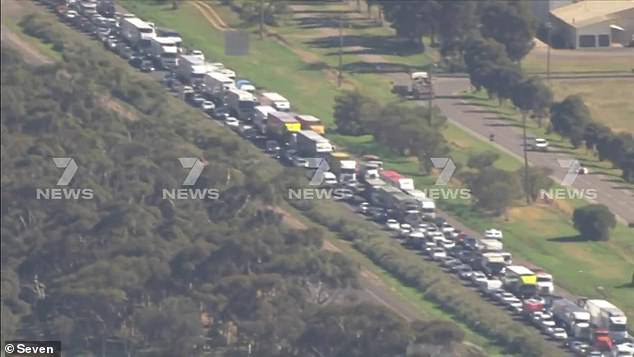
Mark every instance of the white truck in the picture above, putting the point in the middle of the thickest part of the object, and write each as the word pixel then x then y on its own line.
pixel 489 245
pixel 260 115
pixel 241 103
pixel 492 263
pixel 217 84
pixel 171 34
pixel 573 318
pixel 164 51
pixel 311 144
pixel 545 283
pixel 427 205
pixel 137 32
pixel 604 315
pixel 276 101
pixel 191 68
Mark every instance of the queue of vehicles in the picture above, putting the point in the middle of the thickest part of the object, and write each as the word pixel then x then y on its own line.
pixel 385 196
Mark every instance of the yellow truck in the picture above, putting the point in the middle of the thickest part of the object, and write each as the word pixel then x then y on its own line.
pixel 310 122
pixel 279 124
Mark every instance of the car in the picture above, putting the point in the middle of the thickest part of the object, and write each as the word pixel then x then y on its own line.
pixel 446 228
pixel 71 15
pixel 449 262
pixel 219 112
pixel 447 244
pixel 207 105
pixel 232 122
pixel 147 66
pixel 288 156
pixel 438 254
pixel 504 296
pixel 392 225
pixel 540 144
pixel 135 61
pixel 404 230
pixel 188 90
pixel 493 234
pixel 464 271
pixel 595 354
pixel 300 162
pixel 195 100
pixel 379 216
pixel 578 347
pixel 477 277
pixel 583 171
pixel 559 334
pixel 246 131
pixel 546 325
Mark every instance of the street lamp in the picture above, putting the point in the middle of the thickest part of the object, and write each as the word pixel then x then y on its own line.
pixel 549 27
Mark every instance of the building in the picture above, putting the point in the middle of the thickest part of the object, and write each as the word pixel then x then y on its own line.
pixel 592 24
pixel 542 8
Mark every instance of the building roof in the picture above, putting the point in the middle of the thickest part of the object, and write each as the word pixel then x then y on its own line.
pixel 589 12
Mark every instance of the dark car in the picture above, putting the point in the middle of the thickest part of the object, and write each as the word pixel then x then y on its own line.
pixel 147 66
pixel 288 156
pixel 272 146
pixel 219 112
pixel 135 61
pixel 195 100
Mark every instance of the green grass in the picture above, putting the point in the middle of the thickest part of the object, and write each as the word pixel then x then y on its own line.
pixel 12 23
pixel 274 66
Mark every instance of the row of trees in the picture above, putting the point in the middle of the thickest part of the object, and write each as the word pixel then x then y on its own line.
pixel 404 129
pixel 129 271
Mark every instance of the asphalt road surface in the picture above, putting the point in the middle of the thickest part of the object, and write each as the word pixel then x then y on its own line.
pixel 482 122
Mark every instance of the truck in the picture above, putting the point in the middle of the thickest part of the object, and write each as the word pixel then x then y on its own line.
pixel 137 32
pixel 427 205
pixel 246 85
pixel 383 195
pixel 260 116
pixel 342 165
pixel 88 7
pixel 276 101
pixel 311 144
pixel 605 316
pixel 573 318
pixel 489 245
pixel 492 264
pixel 218 85
pixel 241 103
pixel 173 35
pixel 310 122
pixel 520 280
pixel 164 51
pixel 545 282
pixel 397 180
pixel 420 87
pixel 280 124
pixel 191 68
pixel 489 285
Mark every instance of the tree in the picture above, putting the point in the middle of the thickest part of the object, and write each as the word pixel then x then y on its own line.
pixel 457 21
pixel 569 119
pixel 481 58
pixel 482 159
pixel 352 110
pixel 495 189
pixel 510 23
pixel 594 222
pixel 538 181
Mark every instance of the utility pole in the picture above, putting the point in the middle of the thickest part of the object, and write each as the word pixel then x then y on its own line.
pixel 340 74
pixel 549 27
pixel 430 102
pixel 261 19
pixel 528 200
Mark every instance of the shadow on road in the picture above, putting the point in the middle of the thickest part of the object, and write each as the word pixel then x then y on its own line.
pixel 369 44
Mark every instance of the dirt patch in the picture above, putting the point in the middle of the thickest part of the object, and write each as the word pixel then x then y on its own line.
pixel 30 54
pixel 119 108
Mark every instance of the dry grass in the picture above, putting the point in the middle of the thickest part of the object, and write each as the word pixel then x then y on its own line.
pixel 566 61
pixel 610 100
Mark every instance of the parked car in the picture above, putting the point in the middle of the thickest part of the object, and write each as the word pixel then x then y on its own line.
pixel 393 225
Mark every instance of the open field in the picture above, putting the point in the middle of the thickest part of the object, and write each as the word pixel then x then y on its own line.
pixel 567 61
pixel 609 101
pixel 311 90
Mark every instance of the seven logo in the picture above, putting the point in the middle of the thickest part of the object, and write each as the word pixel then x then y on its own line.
pixel 448 168
pixel 196 168
pixel 318 176
pixel 64 193
pixel 573 167
pixel 70 168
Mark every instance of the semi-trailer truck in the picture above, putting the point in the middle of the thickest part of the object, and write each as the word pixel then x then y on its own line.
pixel 261 115
pixel 605 316
pixel 427 205
pixel 342 165
pixel 573 318
pixel 218 85
pixel 191 68
pixel 164 51
pixel 311 144
pixel 137 32
pixel 280 124
pixel 520 280
pixel 276 101
pixel 397 180
pixel 241 103
pixel 492 264
pixel 310 122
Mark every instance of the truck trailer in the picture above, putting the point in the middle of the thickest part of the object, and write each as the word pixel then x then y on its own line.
pixel 520 280
pixel 241 103
pixel 342 165
pixel 280 124
pixel 191 68
pixel 311 144
pixel 310 122
pixel 605 316
pixel 427 205
pixel 397 180
pixel 164 51
pixel 573 318
pixel 137 32
pixel 276 101
pixel 218 85
pixel 261 115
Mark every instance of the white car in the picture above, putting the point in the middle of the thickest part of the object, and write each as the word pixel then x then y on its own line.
pixel 405 229
pixel 438 254
pixel 447 244
pixel 477 277
pixel 71 14
pixel 207 105
pixel 493 234
pixel 447 228
pixel 188 90
pixel 547 325
pixel 232 122
pixel 583 171
pixel 540 144
pixel 559 333
pixel 393 225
